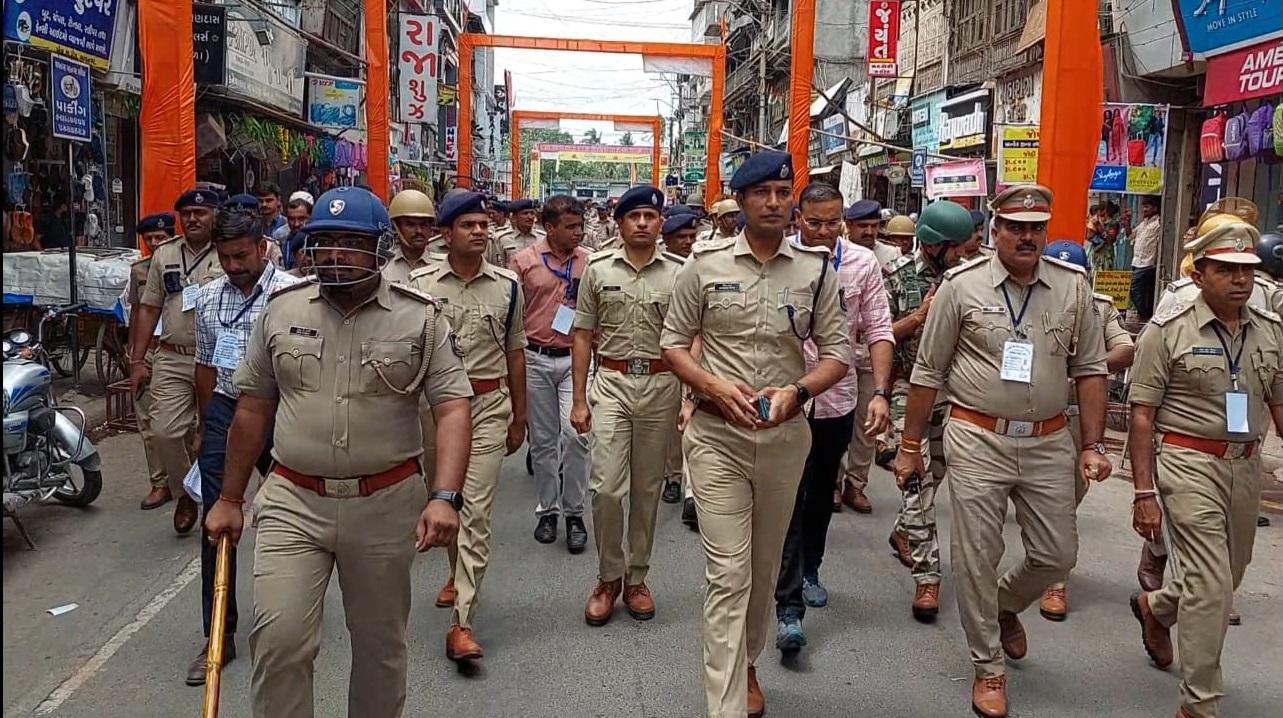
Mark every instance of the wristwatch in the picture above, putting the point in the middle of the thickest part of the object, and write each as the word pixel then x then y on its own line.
pixel 803 394
pixel 454 498
pixel 882 393
pixel 1098 447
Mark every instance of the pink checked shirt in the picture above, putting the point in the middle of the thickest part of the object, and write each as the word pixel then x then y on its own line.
pixel 869 316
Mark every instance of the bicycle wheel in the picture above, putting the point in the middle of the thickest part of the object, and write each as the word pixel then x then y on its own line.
pixel 109 354
pixel 58 348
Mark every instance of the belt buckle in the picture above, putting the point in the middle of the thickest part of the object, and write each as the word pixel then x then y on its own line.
pixel 342 488
pixel 1237 450
pixel 1019 429
pixel 638 366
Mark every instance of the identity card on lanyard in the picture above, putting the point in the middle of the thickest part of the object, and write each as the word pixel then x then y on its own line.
pixel 1235 400
pixel 227 350
pixel 1017 352
pixel 190 292
pixel 563 321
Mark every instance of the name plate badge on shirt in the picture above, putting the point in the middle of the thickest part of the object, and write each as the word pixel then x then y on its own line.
pixel 189 296
pixel 227 354
pixel 1236 412
pixel 563 320
pixel 1017 361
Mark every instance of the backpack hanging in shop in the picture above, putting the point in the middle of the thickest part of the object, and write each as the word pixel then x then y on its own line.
pixel 1259 140
pixel 1211 147
pixel 1236 137
pixel 1278 130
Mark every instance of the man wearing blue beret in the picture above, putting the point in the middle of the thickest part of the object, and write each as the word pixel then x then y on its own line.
pixel 753 300
pixel 166 312
pixel 679 232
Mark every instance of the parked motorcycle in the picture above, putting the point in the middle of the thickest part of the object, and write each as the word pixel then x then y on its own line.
pixel 46 455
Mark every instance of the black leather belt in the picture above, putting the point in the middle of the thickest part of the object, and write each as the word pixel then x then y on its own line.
pixel 549 351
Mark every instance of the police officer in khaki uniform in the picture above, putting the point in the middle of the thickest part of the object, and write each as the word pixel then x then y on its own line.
pixel 864 225
pixel 1206 384
pixel 753 301
pixel 724 215
pixel 679 236
pixel 1266 293
pixel 1004 337
pixel 415 220
pixel 338 361
pixel 152 230
pixel 521 232
pixel 179 268
pixel 484 305
pixel 623 298
pixel 941 233
pixel 602 229
pixel 1119 352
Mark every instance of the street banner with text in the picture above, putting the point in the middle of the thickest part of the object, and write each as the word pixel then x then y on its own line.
pixel 965 178
pixel 1130 154
pixel 884 36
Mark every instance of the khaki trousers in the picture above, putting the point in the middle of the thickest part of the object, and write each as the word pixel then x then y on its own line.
pixel 985 471
pixel 745 483
pixel 491 414
pixel 1080 486
pixel 172 414
pixel 673 461
pixel 142 411
pixel 859 456
pixel 632 420
pixel 1210 507
pixel 301 538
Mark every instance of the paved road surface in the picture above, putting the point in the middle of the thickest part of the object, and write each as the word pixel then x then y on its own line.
pixel 124 651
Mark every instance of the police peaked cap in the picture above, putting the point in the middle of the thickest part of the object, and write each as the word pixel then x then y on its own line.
pixel 678 222
pixel 761 167
pixel 863 210
pixel 243 202
pixel 201 198
pixel 639 197
pixel 521 205
pixel 159 222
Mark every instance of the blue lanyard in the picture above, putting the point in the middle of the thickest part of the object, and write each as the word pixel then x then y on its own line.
pixel 563 274
pixel 258 291
pixel 1016 319
pixel 1233 363
pixel 837 255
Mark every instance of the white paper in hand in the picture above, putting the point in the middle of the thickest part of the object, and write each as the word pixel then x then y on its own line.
pixel 191 482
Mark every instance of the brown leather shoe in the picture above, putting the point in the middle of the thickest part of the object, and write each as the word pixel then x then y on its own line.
pixel 447 595
pixel 185 514
pixel 196 669
pixel 756 701
pixel 1149 573
pixel 989 697
pixel 856 499
pixel 1236 618
pixel 899 541
pixel 1182 713
pixel 1012 633
pixel 1156 637
pixel 639 602
pixel 601 604
pixel 157 497
pixel 926 602
pixel 1054 605
pixel 461 646
pixel 837 500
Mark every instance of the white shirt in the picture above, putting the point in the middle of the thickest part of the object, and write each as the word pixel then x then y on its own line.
pixel 1145 239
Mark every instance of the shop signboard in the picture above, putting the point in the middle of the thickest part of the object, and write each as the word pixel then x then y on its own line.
pixel 925 116
pixel 618 154
pixel 884 36
pixel 834 125
pixel 1214 27
pixel 1116 284
pixel 271 74
pixel 209 44
pixel 1018 97
pixel 964 178
pixel 333 103
pixel 918 169
pixel 964 123
pixel 1017 154
pixel 70 118
pixel 451 142
pixel 1255 71
pixel 81 29
pixel 417 68
pixel 851 183
pixel 1130 155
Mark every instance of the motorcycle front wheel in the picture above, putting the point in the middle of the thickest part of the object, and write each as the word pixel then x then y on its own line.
pixel 81 489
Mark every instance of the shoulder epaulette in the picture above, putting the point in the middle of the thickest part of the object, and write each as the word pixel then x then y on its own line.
pixel 437 256
pixel 1065 265
pixel 674 257
pixel 965 266
pixel 423 271
pixel 1177 309
pixel 817 249
pixel 711 245
pixel 600 255
pixel 160 244
pixel 1266 313
pixel 416 294
pixel 1183 281
pixel 505 272
pixel 1266 282
pixel 287 289
pixel 1102 297
pixel 140 260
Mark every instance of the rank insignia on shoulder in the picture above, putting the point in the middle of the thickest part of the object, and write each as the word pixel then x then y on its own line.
pixel 1177 309
pixel 1265 313
pixel 965 266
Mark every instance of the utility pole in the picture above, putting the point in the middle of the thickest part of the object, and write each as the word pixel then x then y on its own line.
pixel 761 77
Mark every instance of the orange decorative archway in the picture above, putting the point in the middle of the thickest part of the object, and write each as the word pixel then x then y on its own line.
pixel 519 116
pixel 716 54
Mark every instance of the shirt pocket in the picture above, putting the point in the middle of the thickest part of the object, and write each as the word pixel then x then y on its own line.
pixel 297 361
pixel 793 311
pixel 384 363
pixel 1204 373
pixel 656 309
pixel 724 312
pixel 1059 327
pixel 989 330
pixel 613 306
pixel 492 326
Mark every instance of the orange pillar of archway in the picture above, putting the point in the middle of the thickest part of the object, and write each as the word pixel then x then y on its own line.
pixel 716 54
pixel 519 116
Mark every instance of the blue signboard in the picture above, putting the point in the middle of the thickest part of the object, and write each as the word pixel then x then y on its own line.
pixel 1109 178
pixel 918 170
pixel 70 116
pixel 1217 26
pixel 79 28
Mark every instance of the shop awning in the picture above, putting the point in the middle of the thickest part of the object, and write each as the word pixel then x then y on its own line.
pixel 823 170
pixel 1035 27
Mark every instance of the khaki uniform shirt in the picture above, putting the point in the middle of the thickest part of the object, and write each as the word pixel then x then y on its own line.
pixel 969 323
pixel 337 417
pixel 174 266
pixel 1182 369
pixel 510 242
pixel 754 317
pixel 399 267
pixel 137 280
pixel 1265 295
pixel 712 234
pixel 887 255
pixel 1111 321
pixel 485 313
pixel 627 305
pixel 599 233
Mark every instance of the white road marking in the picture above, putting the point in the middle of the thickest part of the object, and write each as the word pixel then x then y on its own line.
pixel 108 649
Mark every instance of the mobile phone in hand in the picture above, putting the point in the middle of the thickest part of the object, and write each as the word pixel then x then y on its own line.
pixel 763 408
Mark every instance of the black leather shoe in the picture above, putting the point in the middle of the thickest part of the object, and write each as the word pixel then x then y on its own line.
pixel 530 467
pixel 196 671
pixel 576 534
pixel 672 492
pixel 546 531
pixel 689 517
